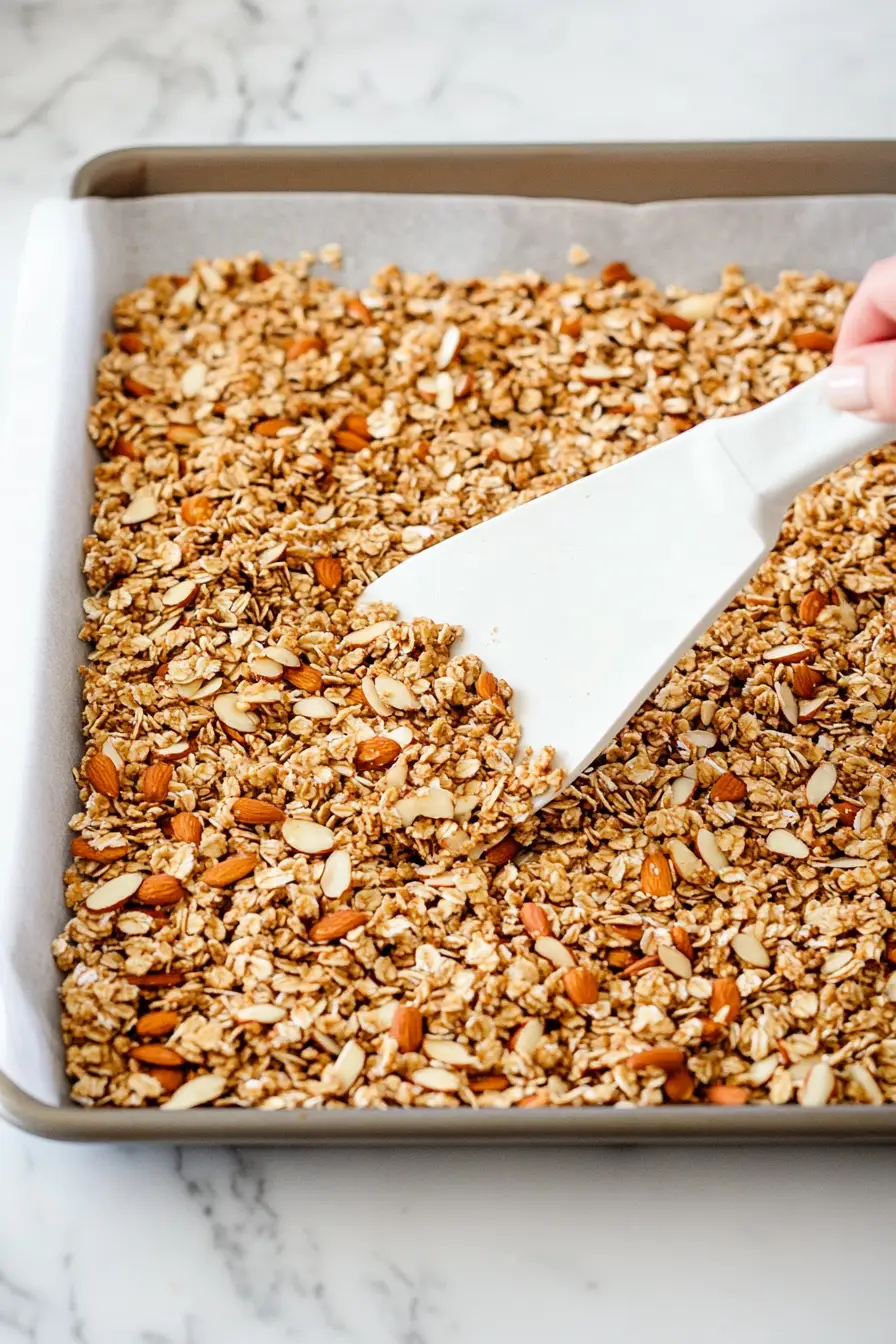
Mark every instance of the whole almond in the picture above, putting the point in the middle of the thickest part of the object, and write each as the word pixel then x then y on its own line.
pixel 156 781
pixel 711 1030
pixel 261 271
pixel 197 509
pixel 679 1085
pixel 656 875
pixel 131 343
pixel 161 1055
pixel 328 572
pixel 534 920
pixel 488 1082
pixel 580 985
pixel 724 1094
pixel 728 789
pixel 132 387
pixel 407 1029
pixel 822 341
pixel 306 679
pixel 357 309
pixel 102 775
pixel 157 979
pixel 667 1057
pixel 187 827
pixel 82 849
pixel 336 925
pixel 356 423
pixel 642 964
pixel 812 604
pixel 725 996
pixel 805 679
pixel 376 753
pixel 673 320
pixel 169 1079
pixel 502 852
pixel 619 958
pixel 230 870
pixel 269 429
pixel 486 685
pixel 255 812
pixel 126 448
pixel 157 1024
pixel 847 812
pixel 614 272
pixel 160 889
pixel 351 443
pixel 303 345
pixel 534 1099
pixel 682 942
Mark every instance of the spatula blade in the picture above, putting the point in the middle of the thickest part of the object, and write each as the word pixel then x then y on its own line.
pixel 586 597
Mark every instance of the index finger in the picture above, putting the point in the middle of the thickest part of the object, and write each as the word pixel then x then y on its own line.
pixel 871 315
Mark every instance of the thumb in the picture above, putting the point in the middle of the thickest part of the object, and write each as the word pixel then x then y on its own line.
pixel 865 380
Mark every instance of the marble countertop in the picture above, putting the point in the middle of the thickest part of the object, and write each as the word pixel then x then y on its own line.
pixel 120 1246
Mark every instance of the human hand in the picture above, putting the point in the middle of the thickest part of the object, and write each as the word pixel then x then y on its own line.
pixel 863 374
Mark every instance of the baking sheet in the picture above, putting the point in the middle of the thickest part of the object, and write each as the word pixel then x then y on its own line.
pixel 79 256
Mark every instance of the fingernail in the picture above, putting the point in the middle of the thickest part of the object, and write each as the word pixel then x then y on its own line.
pixel 848 387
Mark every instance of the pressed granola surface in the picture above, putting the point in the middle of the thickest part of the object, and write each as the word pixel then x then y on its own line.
pixel 681 924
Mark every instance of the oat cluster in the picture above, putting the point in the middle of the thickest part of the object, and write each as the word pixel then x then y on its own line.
pixel 278 893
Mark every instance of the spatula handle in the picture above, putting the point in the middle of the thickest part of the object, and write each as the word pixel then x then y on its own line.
pixel 790 443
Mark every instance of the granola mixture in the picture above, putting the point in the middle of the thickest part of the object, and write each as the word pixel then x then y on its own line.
pixel 276 896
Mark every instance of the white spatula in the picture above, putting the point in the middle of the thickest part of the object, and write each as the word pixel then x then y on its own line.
pixel 585 598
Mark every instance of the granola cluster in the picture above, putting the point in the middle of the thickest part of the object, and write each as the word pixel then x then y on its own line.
pixel 305 868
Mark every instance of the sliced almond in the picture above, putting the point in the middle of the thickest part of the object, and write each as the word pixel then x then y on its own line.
pixel 748 948
pixel 836 962
pixel 818 1085
pixel 685 861
pixel 348 1065
pixel 307 837
pixel 682 790
pixel 260 1012
pixel 436 1080
pixel 228 711
pixel 336 878
pixel 181 594
pixel 862 1078
pixel 373 698
pixel 395 694
pixel 710 853
pixel 786 843
pixel 436 803
pixel 820 783
pixel 143 506
pixel 529 1037
pixel 262 694
pixel 199 1091
pixel 447 1052
pixel 114 893
pixel 397 775
pixel 788 653
pixel 315 707
pixel 674 961
pixel 787 701
pixel 555 952
pixel 809 708
pixel 697 307
pixel 271 554
pixel 447 347
pixel 267 669
pixel 174 751
pixel 285 657
pixel 762 1070
pixel 700 738
pixel 358 639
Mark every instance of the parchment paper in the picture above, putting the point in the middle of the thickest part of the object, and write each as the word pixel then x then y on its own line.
pixel 79 256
